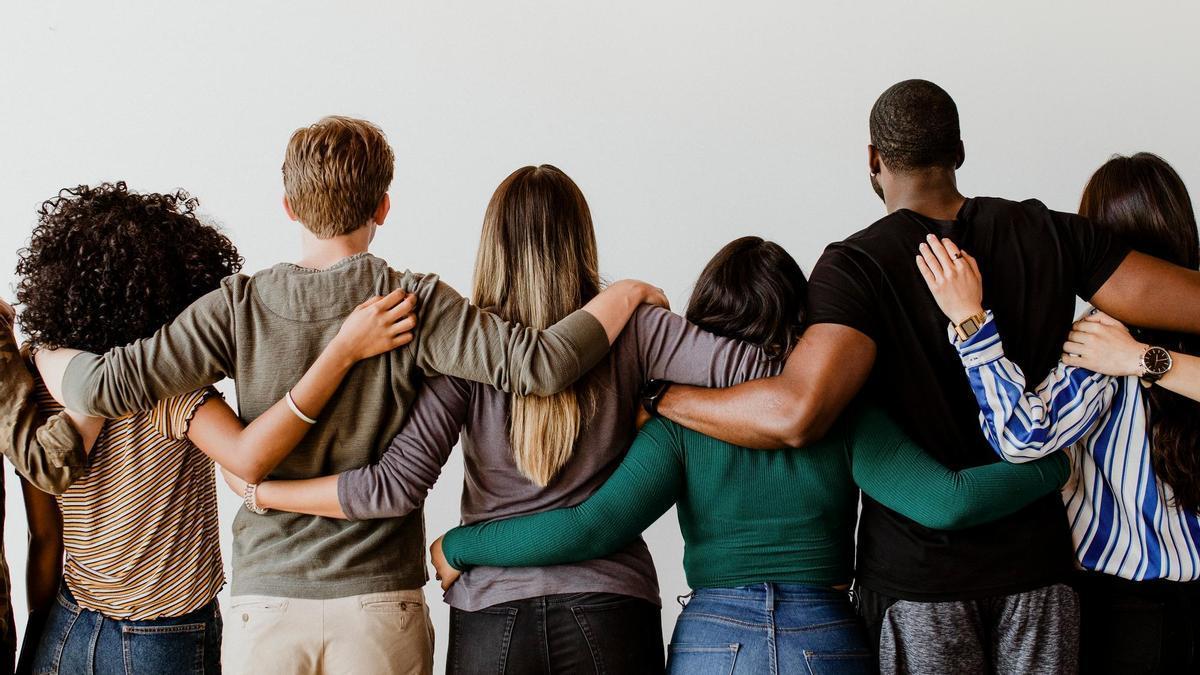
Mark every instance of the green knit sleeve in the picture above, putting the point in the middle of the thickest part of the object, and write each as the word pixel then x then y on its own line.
pixel 896 472
pixel 642 488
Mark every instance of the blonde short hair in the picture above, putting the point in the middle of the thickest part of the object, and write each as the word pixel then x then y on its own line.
pixel 335 174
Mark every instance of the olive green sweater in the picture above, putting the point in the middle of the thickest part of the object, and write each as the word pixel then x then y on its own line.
pixel 264 331
pixel 752 516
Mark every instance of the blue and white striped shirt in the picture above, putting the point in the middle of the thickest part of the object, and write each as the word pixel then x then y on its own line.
pixel 1122 520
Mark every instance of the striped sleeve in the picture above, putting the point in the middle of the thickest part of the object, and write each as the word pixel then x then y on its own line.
pixel 1022 426
pixel 171 417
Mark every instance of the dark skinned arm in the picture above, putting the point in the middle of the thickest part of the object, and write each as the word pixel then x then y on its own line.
pixel 1152 293
pixel 793 409
pixel 43 572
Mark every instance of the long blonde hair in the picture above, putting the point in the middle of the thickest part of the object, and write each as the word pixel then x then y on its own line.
pixel 537 263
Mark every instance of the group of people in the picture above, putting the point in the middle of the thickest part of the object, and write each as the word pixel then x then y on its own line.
pixel 919 459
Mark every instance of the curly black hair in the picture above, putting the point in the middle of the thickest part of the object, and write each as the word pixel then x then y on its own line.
pixel 106 266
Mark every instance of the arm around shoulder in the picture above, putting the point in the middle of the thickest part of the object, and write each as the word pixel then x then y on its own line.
pixel 824 372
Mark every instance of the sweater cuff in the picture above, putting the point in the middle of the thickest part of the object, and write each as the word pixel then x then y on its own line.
pixel 982 348
pixel 345 498
pixel 588 335
pixel 62 443
pixel 452 545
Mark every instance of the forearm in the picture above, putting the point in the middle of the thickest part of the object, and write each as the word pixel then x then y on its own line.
pixel 824 372
pixel 315 496
pixel 1184 376
pixel 1022 426
pixel 1152 293
pixel 43 574
pixel 641 489
pixel 194 350
pixel 45 450
pixel 266 441
pixel 913 484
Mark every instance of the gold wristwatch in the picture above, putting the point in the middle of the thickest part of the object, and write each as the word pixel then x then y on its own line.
pixel 969 326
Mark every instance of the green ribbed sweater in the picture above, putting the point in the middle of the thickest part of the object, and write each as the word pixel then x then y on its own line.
pixel 751 516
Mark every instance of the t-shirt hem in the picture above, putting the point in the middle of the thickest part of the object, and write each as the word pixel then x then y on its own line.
pixel 310 589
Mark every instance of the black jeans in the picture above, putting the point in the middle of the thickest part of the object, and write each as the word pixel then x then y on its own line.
pixel 1138 626
pixel 576 633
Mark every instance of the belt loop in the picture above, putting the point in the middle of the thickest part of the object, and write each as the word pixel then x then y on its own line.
pixel 770 597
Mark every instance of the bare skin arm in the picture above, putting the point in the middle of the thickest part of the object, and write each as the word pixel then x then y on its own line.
pixel 44 568
pixel 797 407
pixel 1152 293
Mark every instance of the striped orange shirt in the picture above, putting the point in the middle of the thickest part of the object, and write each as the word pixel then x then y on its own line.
pixel 140 526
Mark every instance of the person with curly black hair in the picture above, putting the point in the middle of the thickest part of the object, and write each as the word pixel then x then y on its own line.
pixel 139 523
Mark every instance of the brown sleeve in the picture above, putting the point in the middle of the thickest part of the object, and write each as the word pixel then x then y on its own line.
pixel 457 338
pixel 42 445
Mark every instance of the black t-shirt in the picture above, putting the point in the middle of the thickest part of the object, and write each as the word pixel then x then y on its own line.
pixel 1034 263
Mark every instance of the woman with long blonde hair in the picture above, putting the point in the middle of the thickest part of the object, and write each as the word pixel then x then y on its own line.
pixel 537 262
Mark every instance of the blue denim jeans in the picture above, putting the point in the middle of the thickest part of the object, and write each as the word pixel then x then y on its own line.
pixel 78 641
pixel 768 628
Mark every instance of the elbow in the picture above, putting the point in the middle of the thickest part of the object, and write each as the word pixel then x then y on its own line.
pixel 801 422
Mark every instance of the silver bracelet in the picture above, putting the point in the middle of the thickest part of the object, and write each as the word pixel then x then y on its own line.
pixel 250 499
pixel 296 410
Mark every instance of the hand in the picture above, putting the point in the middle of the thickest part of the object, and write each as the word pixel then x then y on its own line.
pixel 445 573
pixel 953 278
pixel 1103 345
pixel 644 293
pixel 378 325
pixel 236 484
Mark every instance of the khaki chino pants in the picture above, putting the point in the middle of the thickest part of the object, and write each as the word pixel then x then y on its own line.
pixel 386 633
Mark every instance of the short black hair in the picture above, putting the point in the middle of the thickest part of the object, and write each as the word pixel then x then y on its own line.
pixel 914 125
pixel 106 266
pixel 752 290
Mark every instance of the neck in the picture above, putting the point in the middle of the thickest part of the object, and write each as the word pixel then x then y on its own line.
pixel 933 194
pixel 320 254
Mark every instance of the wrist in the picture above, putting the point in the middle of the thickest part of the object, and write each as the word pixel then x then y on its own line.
pixel 338 356
pixel 962 314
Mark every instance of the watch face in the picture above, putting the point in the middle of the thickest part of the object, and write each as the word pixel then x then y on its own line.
pixel 969 327
pixel 1157 361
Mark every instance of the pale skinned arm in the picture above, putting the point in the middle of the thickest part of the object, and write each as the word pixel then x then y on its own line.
pixel 795 408
pixel 252 451
pixel 1102 344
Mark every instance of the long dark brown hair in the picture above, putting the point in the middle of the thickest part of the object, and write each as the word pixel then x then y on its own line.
pixel 1143 201
pixel 537 263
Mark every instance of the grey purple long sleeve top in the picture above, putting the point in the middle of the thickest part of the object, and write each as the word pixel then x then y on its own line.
pixel 656 345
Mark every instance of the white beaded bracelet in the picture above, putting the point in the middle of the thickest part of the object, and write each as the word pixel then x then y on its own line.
pixel 292 404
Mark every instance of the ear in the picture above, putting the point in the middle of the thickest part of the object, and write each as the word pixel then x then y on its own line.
pixel 381 211
pixel 287 208
pixel 874 163
pixel 960 156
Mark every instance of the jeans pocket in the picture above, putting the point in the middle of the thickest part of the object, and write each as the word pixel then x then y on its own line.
pixel 847 662
pixel 624 634
pixel 479 641
pixel 402 606
pixel 702 659
pixel 178 648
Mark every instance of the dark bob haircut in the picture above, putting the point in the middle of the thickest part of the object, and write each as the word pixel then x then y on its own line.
pixel 106 266
pixel 754 291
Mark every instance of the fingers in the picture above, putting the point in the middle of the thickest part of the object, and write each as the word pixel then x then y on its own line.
pixel 957 257
pixel 401 340
pixel 405 325
pixel 932 263
pixel 1072 360
pixel 1103 319
pixel 926 273
pixel 972 263
pixel 1072 347
pixel 939 250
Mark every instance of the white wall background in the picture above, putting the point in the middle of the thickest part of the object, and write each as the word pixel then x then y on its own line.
pixel 685 123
